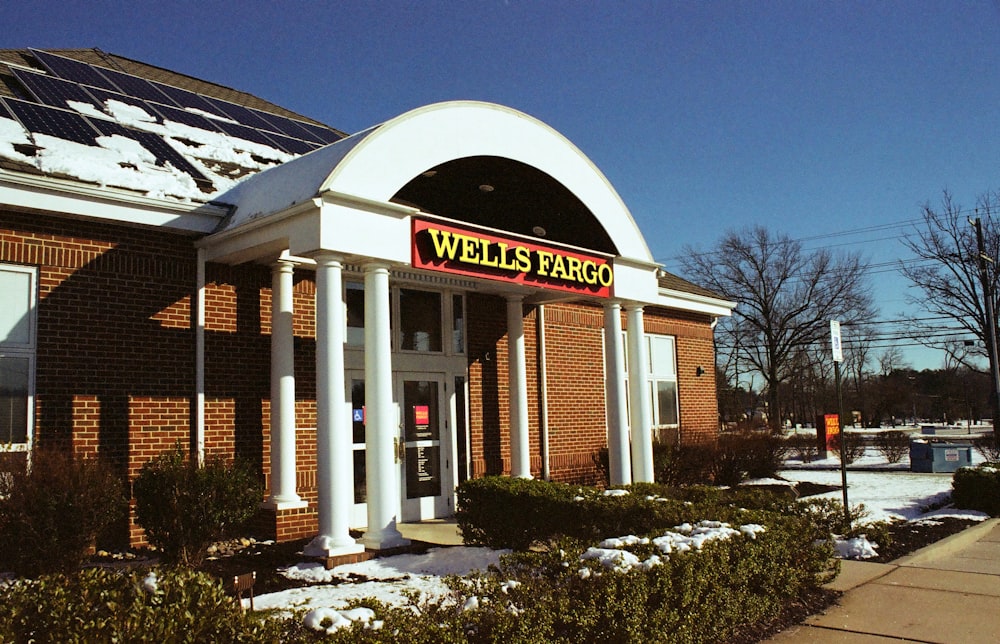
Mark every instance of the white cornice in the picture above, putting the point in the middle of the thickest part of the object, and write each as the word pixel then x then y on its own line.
pixel 696 303
pixel 63 197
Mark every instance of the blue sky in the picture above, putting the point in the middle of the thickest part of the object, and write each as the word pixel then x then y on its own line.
pixel 811 118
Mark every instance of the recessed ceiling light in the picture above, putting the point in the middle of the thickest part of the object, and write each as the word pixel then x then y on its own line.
pixel 486 188
pixel 539 231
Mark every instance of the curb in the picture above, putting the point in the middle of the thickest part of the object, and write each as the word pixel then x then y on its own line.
pixel 948 545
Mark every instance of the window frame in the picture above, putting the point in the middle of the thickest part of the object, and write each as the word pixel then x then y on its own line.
pixel 24 351
pixel 668 374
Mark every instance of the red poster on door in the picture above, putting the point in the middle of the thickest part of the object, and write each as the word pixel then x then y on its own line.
pixel 421 416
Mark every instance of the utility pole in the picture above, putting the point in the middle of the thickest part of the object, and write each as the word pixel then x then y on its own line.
pixel 991 325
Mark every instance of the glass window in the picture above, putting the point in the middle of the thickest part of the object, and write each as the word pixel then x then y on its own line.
pixel 458 323
pixel 15 314
pixel 354 298
pixel 663 379
pixel 420 320
pixel 358 425
pixel 14 381
pixel 17 355
pixel 661 356
pixel 666 403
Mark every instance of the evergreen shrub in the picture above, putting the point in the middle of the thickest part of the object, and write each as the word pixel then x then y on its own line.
pixel 977 488
pixel 102 605
pixel 52 514
pixel 184 508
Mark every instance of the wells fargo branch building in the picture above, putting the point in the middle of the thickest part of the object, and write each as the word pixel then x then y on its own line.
pixel 369 319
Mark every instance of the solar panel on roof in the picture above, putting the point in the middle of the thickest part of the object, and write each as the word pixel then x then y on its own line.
pixel 54 91
pixel 240 114
pixel 163 152
pixel 185 117
pixel 62 124
pixel 326 135
pixel 289 127
pixel 188 99
pixel 294 146
pixel 104 96
pixel 135 86
pixel 247 134
pixel 73 70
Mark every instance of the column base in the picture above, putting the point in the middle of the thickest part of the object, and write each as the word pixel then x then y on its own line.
pixel 384 539
pixel 281 505
pixel 325 547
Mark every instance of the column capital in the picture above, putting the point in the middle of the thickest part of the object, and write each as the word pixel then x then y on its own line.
pixel 328 258
pixel 282 265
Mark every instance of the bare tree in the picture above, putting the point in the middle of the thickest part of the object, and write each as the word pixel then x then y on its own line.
pixel 857 353
pixel 786 298
pixel 948 278
pixel 890 360
pixel 946 274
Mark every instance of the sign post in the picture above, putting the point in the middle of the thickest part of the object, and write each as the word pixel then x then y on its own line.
pixel 838 357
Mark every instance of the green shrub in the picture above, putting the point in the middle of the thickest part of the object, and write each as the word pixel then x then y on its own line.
pixel 52 514
pixel 507 512
pixel 892 445
pixel 683 464
pixel 705 595
pixel 185 508
pixel 977 488
pixel 101 605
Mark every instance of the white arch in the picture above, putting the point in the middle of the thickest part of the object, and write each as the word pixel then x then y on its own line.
pixel 375 164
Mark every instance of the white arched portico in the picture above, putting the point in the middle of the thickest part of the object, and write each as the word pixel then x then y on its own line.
pixel 337 202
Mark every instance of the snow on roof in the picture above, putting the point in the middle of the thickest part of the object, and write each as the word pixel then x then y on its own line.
pixel 206 152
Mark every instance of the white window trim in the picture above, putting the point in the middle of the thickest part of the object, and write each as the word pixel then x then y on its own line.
pixel 25 350
pixel 653 377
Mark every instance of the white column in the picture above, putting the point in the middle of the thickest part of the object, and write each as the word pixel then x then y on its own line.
pixel 619 458
pixel 638 389
pixel 520 455
pixel 283 493
pixel 381 424
pixel 334 443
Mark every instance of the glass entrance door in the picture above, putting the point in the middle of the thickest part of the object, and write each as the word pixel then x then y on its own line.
pixel 426 476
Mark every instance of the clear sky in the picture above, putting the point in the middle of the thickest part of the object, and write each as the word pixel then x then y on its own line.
pixel 811 118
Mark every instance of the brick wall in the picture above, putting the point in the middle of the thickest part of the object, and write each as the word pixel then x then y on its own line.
pixel 115 362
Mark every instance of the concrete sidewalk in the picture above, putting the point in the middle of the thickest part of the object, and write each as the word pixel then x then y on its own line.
pixel 946 592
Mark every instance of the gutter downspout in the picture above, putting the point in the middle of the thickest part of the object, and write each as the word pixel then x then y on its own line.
pixel 199 360
pixel 543 393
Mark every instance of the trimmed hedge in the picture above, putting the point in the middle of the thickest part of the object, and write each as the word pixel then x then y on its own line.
pixel 977 488
pixel 101 605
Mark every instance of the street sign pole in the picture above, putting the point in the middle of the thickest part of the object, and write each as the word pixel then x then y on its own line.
pixel 838 357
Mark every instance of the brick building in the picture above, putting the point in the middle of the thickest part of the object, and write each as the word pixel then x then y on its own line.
pixel 369 319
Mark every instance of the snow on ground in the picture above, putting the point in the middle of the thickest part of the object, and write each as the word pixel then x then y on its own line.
pixel 387 579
